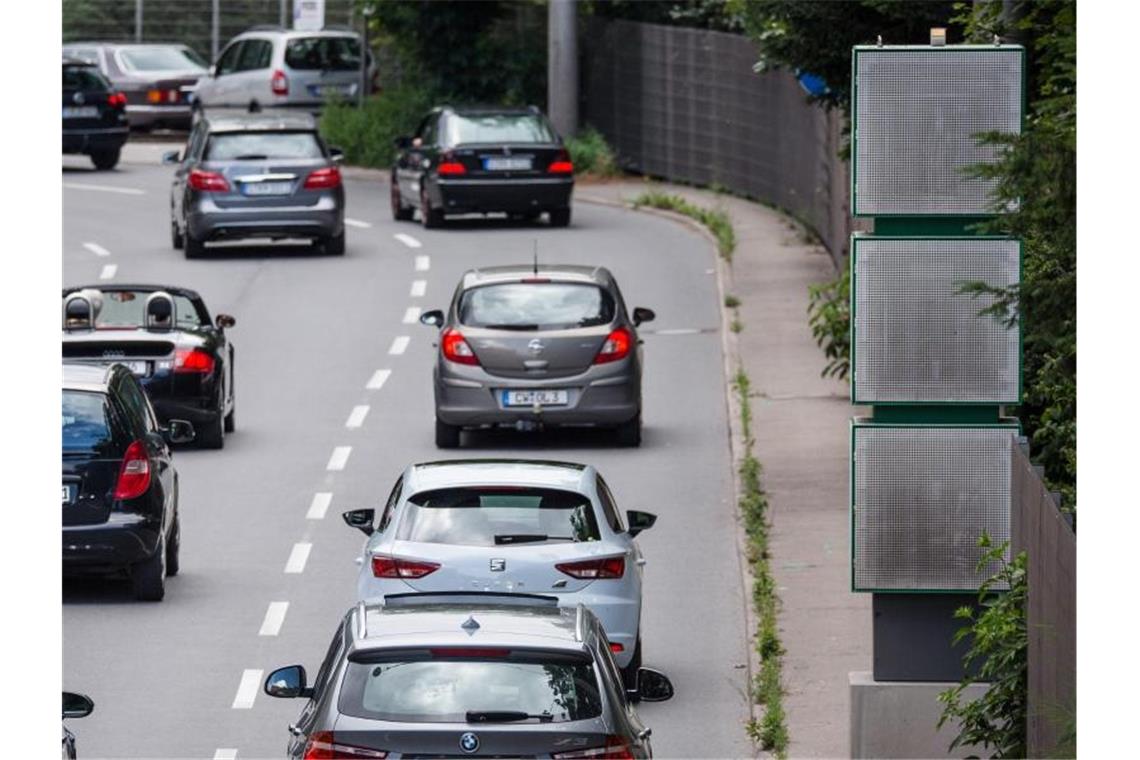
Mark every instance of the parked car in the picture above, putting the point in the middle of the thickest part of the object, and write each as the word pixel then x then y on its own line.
pixel 158 80
pixel 273 66
pixel 479 675
pixel 511 525
pixel 164 335
pixel 256 175
pixel 74 706
pixel 94 123
pixel 464 160
pixel 528 346
pixel 120 488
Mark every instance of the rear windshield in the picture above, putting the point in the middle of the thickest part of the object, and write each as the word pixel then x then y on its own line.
pixel 498 516
pixel 536 306
pixel 86 424
pixel 123 308
pixel 422 687
pixel 323 54
pixel 259 146
pixel 497 128
pixel 83 78
pixel 161 59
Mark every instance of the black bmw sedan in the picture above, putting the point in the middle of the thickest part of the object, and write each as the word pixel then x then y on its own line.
pixel 480 160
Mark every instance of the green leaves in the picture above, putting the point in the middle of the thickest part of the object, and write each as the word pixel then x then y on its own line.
pixel 829 316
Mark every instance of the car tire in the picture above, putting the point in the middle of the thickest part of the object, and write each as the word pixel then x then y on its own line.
pixel 212 435
pixel 431 218
pixel 560 217
pixel 334 246
pixel 105 160
pixel 194 248
pixel 177 239
pixel 446 436
pixel 148 578
pixel 629 673
pixel 629 433
pixel 173 544
pixel 400 212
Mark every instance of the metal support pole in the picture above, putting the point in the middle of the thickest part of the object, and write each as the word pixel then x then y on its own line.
pixel 562 66
pixel 364 81
pixel 138 20
pixel 281 15
pixel 214 32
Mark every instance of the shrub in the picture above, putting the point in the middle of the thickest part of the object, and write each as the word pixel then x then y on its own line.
pixel 591 154
pixel 366 134
pixel 829 315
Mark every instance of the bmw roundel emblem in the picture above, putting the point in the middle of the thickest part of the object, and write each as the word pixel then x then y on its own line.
pixel 469 742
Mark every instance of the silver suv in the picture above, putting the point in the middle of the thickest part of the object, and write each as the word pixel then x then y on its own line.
pixel 273 66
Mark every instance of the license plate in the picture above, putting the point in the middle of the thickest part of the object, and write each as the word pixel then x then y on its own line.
pixel 80 112
pixel 267 188
pixel 136 368
pixel 69 493
pixel 522 163
pixel 530 398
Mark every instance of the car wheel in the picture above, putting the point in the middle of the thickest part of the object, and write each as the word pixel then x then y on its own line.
pixel 334 246
pixel 446 436
pixel 148 578
pixel 105 159
pixel 431 218
pixel 629 673
pixel 400 212
pixel 560 217
pixel 629 433
pixel 173 544
pixel 212 435
pixel 193 248
pixel 177 241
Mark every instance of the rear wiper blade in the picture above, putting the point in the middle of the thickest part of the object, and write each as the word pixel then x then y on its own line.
pixel 523 538
pixel 511 326
pixel 504 716
pixel 251 157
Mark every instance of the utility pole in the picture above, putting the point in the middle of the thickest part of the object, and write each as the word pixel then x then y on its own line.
pixel 281 15
pixel 214 32
pixel 562 66
pixel 138 20
pixel 364 80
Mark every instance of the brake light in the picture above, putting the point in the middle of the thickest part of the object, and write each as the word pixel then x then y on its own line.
pixel 616 347
pixel 616 648
pixel 116 100
pixel 384 566
pixel 451 168
pixel 279 83
pixel 616 748
pixel 561 164
pixel 323 179
pixel 455 348
pixel 467 652
pixel 590 569
pixel 194 360
pixel 134 473
pixel 323 745
pixel 207 182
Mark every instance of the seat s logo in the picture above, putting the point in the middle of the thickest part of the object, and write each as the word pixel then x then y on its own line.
pixel 535 346
pixel 469 742
pixel 498 565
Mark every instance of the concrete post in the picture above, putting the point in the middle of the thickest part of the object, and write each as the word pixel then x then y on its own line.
pixel 214 32
pixel 562 66
pixel 138 20
pixel 281 14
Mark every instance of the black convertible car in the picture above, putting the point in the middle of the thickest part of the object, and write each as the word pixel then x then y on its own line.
pixel 165 336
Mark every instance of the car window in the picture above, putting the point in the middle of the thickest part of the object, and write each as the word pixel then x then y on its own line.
pixel 323 54
pixel 84 78
pixel 536 306
pixel 609 507
pixel 161 59
pixel 498 516
pixel 91 55
pixel 227 63
pixel 497 128
pixel 127 308
pixel 257 146
pixel 442 685
pixel 87 422
pixel 255 55
pixel 197 140
pixel 393 499
pixel 138 410
pixel 329 663
pixel 606 658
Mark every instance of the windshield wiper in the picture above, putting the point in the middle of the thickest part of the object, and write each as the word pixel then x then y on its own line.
pixel 522 538
pixel 511 326
pixel 251 157
pixel 504 716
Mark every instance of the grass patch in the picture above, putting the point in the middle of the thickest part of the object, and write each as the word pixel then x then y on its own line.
pixel 591 154
pixel 715 220
pixel 731 302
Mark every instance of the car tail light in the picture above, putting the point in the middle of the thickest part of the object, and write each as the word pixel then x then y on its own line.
pixel 207 182
pixel 195 360
pixel 616 347
pixel 159 96
pixel 455 348
pixel 590 569
pixel 116 100
pixel 451 168
pixel 323 745
pixel 279 83
pixel 134 473
pixel 384 566
pixel 323 179
pixel 616 748
pixel 561 164
pixel 616 648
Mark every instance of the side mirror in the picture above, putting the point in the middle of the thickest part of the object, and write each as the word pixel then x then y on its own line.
pixel 76 705
pixel 171 157
pixel 402 142
pixel 639 521
pixel 653 685
pixel 641 314
pixel 361 519
pixel 434 318
pixel 212 71
pixel 224 320
pixel 178 431
pixel 288 683
pixel 336 154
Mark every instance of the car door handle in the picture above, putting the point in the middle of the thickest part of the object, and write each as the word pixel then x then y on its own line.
pixel 645 734
pixel 294 730
pixel 359 560
pixel 640 561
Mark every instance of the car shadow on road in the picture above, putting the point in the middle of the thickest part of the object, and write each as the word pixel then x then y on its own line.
pixel 539 440
pixel 478 222
pixel 98 589
pixel 279 250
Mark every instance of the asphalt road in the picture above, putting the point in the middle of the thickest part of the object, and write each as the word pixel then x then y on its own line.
pixel 313 334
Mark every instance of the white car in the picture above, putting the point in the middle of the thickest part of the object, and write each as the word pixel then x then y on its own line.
pixel 504 525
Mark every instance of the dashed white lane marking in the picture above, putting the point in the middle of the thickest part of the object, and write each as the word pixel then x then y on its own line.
pixel 297 559
pixel 679 331
pixel 412 315
pixel 379 377
pixel 419 287
pixel 105 188
pixel 399 345
pixel 319 506
pixel 97 249
pixel 356 417
pixel 423 263
pixel 339 458
pixel 247 689
pixel 357 223
pixel 108 271
pixel 274 617
pixel 408 240
pixel 225 754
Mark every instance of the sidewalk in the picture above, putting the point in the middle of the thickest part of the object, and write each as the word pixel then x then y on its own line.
pixel 801 424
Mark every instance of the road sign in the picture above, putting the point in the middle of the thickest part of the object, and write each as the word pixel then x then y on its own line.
pixel 309 15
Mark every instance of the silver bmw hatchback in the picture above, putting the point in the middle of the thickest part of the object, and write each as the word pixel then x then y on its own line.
pixel 535 346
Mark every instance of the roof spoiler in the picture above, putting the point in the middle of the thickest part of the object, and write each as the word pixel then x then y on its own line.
pixel 413 599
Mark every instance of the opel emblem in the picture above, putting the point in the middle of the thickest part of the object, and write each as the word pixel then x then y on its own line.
pixel 77 98
pixel 469 742
pixel 498 565
pixel 535 346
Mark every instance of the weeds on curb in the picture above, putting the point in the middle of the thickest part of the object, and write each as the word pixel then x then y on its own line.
pixel 771 731
pixel 715 220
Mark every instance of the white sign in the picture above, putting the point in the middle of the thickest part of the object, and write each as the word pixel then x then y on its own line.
pixel 309 15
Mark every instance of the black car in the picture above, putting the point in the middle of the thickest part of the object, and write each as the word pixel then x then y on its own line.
pixel 166 337
pixel 94 119
pixel 120 488
pixel 74 706
pixel 465 160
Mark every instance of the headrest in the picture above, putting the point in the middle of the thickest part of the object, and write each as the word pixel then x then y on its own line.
pixel 81 308
pixel 159 311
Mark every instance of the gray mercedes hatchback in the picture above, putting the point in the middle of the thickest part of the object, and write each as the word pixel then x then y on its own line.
pixel 468 675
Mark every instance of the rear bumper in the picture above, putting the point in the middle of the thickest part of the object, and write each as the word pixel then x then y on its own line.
pixel 196 411
pixel 458 196
pixel 123 540
pixel 93 140
pixel 152 115
pixel 208 221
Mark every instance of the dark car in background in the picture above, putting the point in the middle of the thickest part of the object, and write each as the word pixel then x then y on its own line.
pixel 120 488
pixel 165 336
pixel 158 80
pixel 482 160
pixel 256 175
pixel 94 122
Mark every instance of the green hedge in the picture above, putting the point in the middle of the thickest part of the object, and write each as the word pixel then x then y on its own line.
pixel 366 134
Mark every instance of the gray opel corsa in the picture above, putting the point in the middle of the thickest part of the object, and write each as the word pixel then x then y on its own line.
pixel 468 675
pixel 538 345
